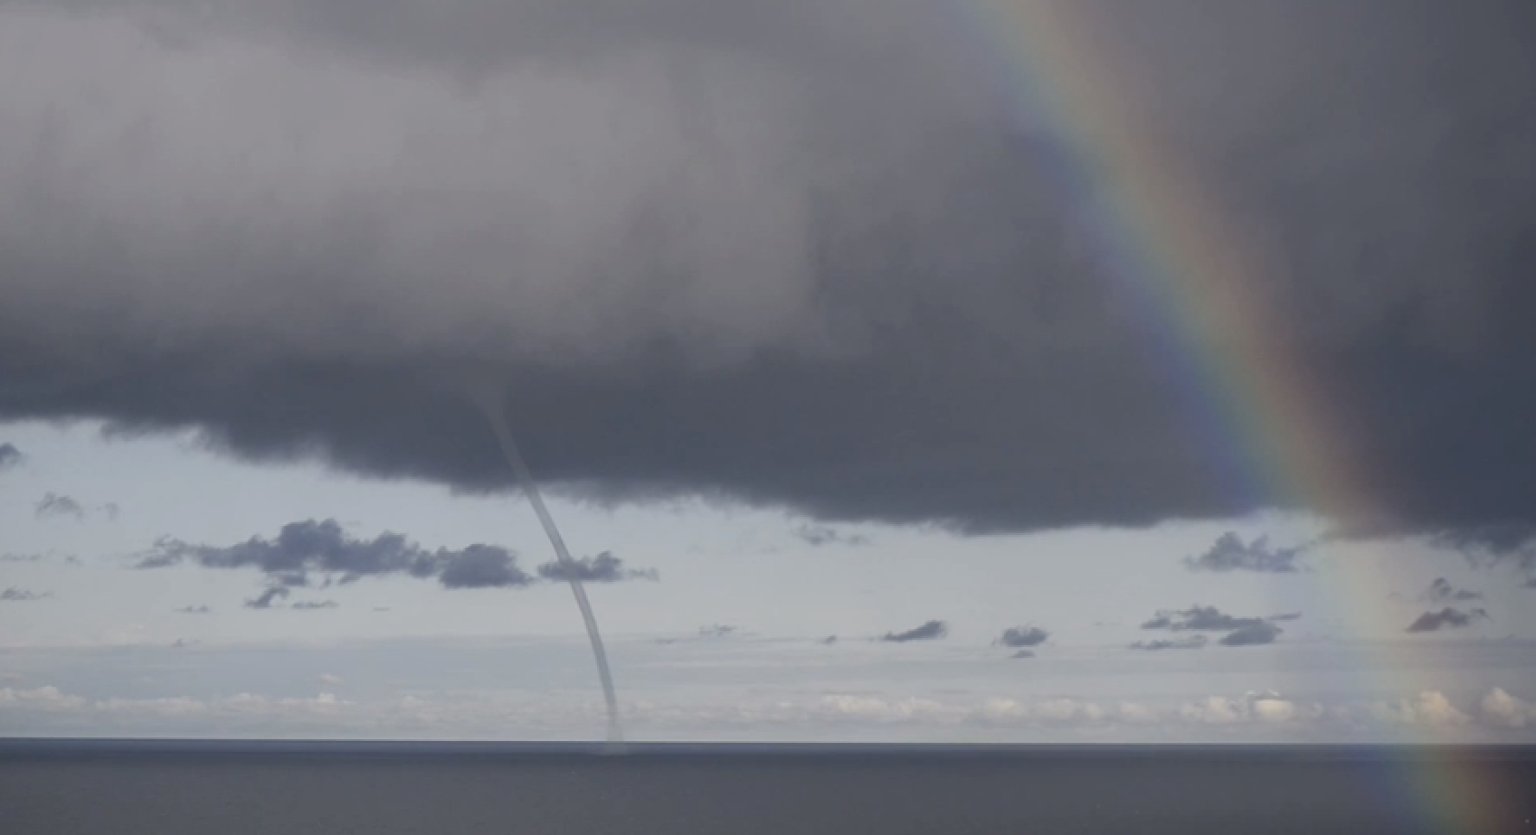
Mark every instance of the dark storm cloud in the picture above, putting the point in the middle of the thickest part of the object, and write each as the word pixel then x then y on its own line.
pixel 53 505
pixel 1441 591
pixel 10 457
pixel 304 549
pixel 1200 618
pixel 809 253
pixel 12 594
pixel 1230 553
pixel 930 631
pixel 603 568
pixel 1262 632
pixel 1446 618
pixel 1023 636
pixel 1186 642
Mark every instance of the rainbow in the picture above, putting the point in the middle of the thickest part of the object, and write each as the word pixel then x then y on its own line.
pixel 1200 279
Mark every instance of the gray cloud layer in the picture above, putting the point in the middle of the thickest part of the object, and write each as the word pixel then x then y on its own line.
pixel 1230 553
pixel 809 253
pixel 303 549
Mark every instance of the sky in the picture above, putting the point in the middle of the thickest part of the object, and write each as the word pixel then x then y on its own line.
pixel 991 370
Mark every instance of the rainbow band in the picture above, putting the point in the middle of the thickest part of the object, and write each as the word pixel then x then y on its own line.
pixel 1201 280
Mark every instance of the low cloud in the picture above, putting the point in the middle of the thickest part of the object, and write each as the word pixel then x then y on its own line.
pixel 603 568
pixel 930 631
pixel 303 549
pixel 1500 709
pixel 12 594
pixel 479 567
pixel 194 610
pixel 1241 631
pixel 265 599
pixel 10 457
pixel 819 535
pixel 1446 618
pixel 1230 553
pixel 1024 653
pixel 1186 642
pixel 311 605
pixel 1253 634
pixel 1023 636
pixel 1441 591
pixel 55 505
pixel 1198 618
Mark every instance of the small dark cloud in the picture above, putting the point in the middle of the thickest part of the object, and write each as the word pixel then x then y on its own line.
pixel 717 630
pixel 53 505
pixel 1024 653
pixel 111 510
pixel 194 610
pixel 1252 634
pixel 1441 591
pixel 1186 642
pixel 1284 616
pixel 10 457
pixel 1023 636
pixel 828 641
pixel 1446 618
pixel 183 643
pixel 819 535
pixel 481 566
pixel 1199 618
pixel 311 605
pixel 603 568
pixel 930 631
pixel 1230 553
pixel 13 594
pixel 23 557
pixel 264 600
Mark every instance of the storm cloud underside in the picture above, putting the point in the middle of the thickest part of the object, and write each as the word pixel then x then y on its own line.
pixel 815 254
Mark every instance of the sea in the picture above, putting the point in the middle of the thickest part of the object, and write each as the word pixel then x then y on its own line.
pixel 232 787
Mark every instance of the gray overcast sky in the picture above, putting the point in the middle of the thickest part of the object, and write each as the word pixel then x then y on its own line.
pixel 1195 334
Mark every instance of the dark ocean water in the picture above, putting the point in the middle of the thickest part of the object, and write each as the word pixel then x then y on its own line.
pixel 206 787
